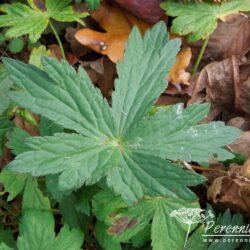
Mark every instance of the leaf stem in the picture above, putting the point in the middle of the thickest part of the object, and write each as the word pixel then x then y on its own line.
pixel 58 39
pixel 198 60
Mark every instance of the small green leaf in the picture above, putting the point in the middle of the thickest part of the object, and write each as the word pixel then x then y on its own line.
pixel 166 232
pixel 199 20
pixel 37 232
pixel 7 237
pixel 23 19
pixel 13 183
pixel 104 239
pixel 105 203
pixel 71 216
pixel 37 54
pixel 93 4
pixel 16 45
pixel 33 197
pixel 16 141
pixel 3 246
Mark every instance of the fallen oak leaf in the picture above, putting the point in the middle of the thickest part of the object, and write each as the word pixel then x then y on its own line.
pixel 104 43
pixel 118 25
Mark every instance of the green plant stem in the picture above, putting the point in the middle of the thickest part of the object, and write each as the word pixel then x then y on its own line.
pixel 198 60
pixel 58 39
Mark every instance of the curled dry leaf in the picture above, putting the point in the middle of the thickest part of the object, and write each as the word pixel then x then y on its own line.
pixel 225 84
pixel 239 122
pixel 117 24
pixel 148 11
pixel 229 192
pixel 242 145
pixel 232 37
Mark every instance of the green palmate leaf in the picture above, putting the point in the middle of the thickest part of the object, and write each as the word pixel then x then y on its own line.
pixel 116 143
pixel 171 134
pixel 166 232
pixel 78 158
pixel 142 75
pixel 151 175
pixel 199 20
pixel 33 20
pixel 13 183
pixel 76 103
pixel 37 232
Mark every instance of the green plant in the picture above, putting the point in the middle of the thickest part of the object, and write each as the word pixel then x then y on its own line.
pixel 33 19
pixel 126 153
pixel 16 45
pixel 199 20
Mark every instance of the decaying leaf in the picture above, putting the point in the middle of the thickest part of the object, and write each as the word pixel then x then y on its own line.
pixel 230 192
pixel 242 145
pixel 148 11
pixel 232 37
pixel 224 84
